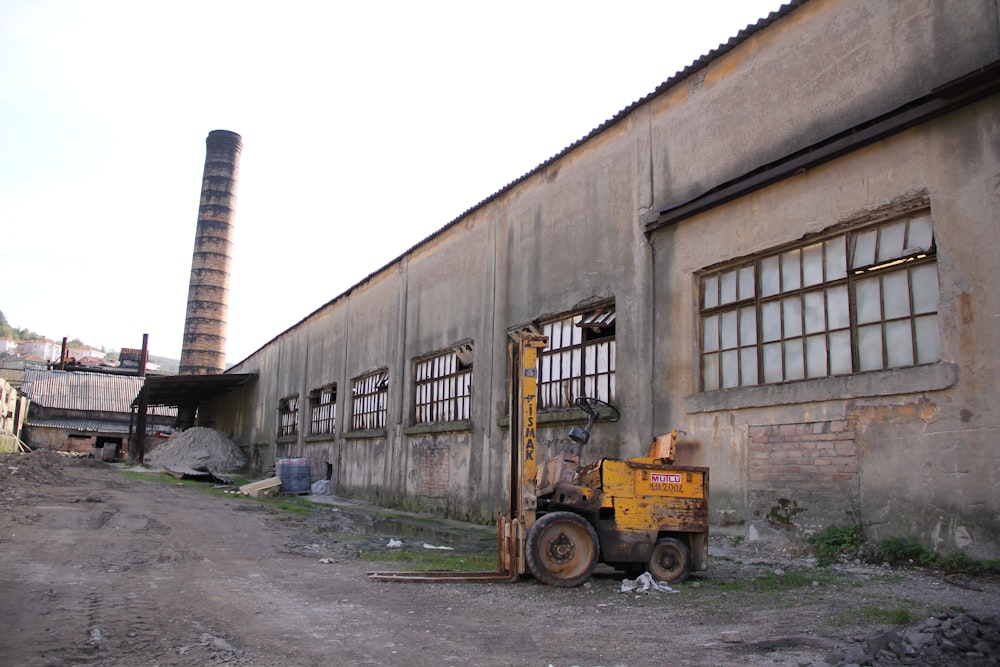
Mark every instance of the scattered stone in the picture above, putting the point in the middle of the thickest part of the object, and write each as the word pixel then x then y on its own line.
pixel 962 639
pixel 732 637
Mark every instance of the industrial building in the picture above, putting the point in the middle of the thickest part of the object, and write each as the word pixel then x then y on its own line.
pixel 787 251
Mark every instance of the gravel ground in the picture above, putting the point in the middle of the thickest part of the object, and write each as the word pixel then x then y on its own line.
pixel 103 567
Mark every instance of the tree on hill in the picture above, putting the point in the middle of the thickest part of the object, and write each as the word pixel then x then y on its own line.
pixel 7 331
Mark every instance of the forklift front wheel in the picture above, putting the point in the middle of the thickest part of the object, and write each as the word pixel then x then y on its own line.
pixel 561 549
pixel 671 561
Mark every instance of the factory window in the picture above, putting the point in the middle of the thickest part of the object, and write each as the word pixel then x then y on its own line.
pixel 579 359
pixel 323 410
pixel 855 301
pixel 288 416
pixel 444 386
pixel 369 395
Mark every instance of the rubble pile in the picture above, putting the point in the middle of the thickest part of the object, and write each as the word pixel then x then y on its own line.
pixel 41 466
pixel 197 447
pixel 959 639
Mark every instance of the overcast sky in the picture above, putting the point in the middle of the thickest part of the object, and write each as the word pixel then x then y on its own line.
pixel 366 127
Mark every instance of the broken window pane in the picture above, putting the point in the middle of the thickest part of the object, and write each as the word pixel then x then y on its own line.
pixel 864 249
pixel 921 235
pixel 890 242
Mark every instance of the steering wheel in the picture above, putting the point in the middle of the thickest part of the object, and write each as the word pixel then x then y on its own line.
pixel 591 405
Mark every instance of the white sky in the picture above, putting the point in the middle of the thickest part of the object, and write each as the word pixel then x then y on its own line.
pixel 366 127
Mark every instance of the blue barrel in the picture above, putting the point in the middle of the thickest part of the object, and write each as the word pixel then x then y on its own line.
pixel 294 475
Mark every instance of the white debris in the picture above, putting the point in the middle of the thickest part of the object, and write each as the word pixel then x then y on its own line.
pixel 394 543
pixel 645 583
pixel 321 487
pixel 431 546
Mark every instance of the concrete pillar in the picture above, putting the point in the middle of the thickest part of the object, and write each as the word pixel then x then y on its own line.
pixel 204 348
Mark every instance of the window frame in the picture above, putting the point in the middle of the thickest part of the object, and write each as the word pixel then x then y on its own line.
pixel 573 363
pixel 747 307
pixel 442 386
pixel 323 413
pixel 370 393
pixel 288 416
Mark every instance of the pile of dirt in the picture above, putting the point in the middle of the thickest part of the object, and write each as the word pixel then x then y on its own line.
pixel 41 466
pixel 946 639
pixel 198 447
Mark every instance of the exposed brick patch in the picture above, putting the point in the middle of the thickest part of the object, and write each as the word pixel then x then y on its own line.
pixel 431 464
pixel 808 456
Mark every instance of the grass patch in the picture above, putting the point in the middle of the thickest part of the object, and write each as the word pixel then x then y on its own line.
pixel 771 583
pixel 426 560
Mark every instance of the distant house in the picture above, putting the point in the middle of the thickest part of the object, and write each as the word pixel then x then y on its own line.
pixel 83 412
pixel 45 349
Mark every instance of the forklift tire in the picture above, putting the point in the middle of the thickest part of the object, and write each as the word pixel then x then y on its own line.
pixel 671 561
pixel 561 549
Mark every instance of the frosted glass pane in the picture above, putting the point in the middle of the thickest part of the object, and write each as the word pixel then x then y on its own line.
pixel 791 278
pixel 710 371
pixel 836 258
pixel 899 344
pixel 890 243
pixel 838 309
pixel 770 321
pixel 812 265
pixel 816 356
pixel 896 291
pixel 727 287
pixel 772 363
pixel 928 339
pixel 746 282
pixel 748 326
pixel 869 300
pixel 730 369
pixel 794 361
pixel 870 348
pixel 748 361
pixel 769 275
pixel 921 235
pixel 925 289
pixel 792 309
pixel 710 288
pixel 815 315
pixel 864 249
pixel 710 341
pixel 729 330
pixel 840 353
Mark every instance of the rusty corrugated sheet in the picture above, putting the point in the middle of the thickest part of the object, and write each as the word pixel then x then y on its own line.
pixel 92 392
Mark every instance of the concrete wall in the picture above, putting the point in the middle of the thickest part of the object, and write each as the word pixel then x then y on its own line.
pixel 913 444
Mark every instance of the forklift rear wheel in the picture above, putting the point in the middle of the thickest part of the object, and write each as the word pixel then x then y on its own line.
pixel 561 549
pixel 671 561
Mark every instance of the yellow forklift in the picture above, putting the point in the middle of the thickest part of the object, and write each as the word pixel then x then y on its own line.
pixel 641 514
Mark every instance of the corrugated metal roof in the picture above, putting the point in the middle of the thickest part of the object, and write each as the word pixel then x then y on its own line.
pixel 93 392
pixel 86 425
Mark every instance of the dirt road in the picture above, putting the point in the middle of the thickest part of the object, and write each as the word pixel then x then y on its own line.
pixel 102 568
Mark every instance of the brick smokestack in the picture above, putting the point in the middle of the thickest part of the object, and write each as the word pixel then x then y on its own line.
pixel 204 348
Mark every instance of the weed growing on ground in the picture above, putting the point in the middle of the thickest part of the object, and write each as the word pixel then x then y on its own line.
pixel 878 615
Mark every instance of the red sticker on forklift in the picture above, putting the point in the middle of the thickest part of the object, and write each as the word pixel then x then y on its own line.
pixel 664 478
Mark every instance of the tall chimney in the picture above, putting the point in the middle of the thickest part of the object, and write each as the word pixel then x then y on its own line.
pixel 204 348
